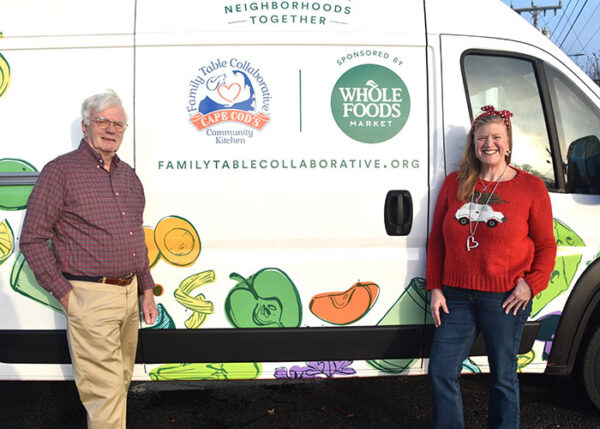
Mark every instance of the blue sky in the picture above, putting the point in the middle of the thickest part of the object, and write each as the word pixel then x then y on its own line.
pixel 575 28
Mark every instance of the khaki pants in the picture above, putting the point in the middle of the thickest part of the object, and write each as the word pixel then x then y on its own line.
pixel 102 328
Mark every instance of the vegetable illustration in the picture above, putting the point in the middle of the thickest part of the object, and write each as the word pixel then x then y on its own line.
pixel 207 371
pixel 525 359
pixel 469 365
pixel 6 241
pixel 4 75
pixel 565 236
pixel 342 308
pixel 564 269
pixel 14 197
pixel 163 320
pixel 198 304
pixel 316 369
pixel 158 290
pixel 267 299
pixel 548 327
pixel 177 240
pixel 23 281
pixel 412 308
pixel 153 252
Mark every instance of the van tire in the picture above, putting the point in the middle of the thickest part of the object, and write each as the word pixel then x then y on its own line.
pixel 590 371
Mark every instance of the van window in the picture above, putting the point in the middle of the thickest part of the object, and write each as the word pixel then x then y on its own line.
pixel 578 127
pixel 511 83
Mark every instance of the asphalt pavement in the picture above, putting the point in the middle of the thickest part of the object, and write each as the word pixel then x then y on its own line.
pixel 385 402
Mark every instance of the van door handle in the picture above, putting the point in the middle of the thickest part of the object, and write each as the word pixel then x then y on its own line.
pixel 398 212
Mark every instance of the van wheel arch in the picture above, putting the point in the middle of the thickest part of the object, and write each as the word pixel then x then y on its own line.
pixel 578 322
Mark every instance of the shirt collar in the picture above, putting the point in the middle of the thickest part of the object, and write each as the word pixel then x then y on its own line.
pixel 88 152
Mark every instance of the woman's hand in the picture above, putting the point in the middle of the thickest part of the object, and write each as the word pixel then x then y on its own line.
pixel 519 297
pixel 438 300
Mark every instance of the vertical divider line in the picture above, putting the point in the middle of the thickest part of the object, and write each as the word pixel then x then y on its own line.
pixel 300 96
pixel 134 82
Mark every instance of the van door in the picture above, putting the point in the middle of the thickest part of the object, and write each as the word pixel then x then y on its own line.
pixel 556 132
pixel 285 173
pixel 52 56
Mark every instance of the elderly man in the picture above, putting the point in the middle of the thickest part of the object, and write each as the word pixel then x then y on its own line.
pixel 83 238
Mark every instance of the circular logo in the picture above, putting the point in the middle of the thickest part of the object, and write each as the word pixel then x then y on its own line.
pixel 370 103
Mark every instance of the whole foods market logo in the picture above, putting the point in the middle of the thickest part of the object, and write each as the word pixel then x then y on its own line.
pixel 370 103
pixel 229 91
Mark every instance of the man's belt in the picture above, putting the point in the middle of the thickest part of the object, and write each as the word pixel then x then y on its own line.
pixel 119 281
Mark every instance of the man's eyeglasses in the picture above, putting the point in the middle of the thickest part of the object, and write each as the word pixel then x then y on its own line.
pixel 104 123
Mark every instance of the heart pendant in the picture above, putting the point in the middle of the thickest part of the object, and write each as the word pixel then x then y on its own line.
pixel 471 243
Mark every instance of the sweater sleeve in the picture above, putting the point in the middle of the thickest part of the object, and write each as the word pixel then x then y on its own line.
pixel 541 231
pixel 435 246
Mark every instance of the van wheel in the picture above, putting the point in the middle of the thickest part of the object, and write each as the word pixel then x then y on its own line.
pixel 463 221
pixel 492 223
pixel 590 371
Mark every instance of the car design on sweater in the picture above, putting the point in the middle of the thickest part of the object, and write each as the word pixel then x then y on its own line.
pixel 472 212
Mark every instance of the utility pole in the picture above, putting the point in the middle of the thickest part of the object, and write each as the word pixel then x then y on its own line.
pixel 535 11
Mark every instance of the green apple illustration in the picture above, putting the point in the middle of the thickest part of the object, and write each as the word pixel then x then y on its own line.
pixel 267 299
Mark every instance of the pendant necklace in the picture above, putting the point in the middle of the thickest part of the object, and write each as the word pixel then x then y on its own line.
pixel 471 243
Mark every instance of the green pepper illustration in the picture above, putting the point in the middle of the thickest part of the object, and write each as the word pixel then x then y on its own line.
pixel 267 299
pixel 564 269
pixel 14 197
pixel 207 371
pixel 412 308
pixel 23 281
pixel 565 236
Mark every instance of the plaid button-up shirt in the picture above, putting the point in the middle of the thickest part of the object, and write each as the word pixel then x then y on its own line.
pixel 92 218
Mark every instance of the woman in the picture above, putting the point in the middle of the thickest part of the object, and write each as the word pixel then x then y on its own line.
pixel 491 249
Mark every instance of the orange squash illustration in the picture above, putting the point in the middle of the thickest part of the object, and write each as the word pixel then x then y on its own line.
pixel 153 252
pixel 342 308
pixel 177 241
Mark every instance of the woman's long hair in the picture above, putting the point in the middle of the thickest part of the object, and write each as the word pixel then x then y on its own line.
pixel 470 166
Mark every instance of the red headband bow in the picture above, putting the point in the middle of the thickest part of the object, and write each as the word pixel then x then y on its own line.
pixel 491 111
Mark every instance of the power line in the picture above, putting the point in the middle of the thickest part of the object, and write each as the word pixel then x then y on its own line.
pixel 578 15
pixel 593 35
pixel 568 20
pixel 562 16
pixel 587 22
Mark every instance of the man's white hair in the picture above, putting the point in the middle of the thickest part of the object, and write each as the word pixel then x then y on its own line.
pixel 99 102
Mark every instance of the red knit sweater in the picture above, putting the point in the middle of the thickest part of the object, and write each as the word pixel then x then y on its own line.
pixel 515 237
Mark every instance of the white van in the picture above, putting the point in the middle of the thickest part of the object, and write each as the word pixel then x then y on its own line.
pixel 292 153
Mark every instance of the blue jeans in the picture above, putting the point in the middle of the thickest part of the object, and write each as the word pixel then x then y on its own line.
pixel 472 312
